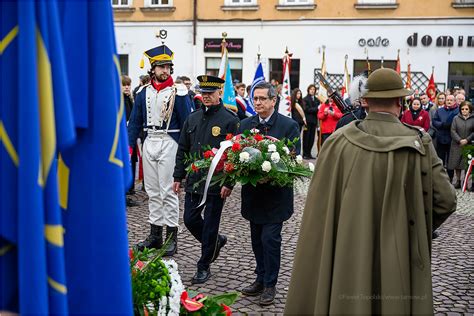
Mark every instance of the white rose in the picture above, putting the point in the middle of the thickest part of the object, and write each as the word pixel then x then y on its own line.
pixel 272 148
pixel 254 131
pixel 275 157
pixel 266 166
pixel 286 150
pixel 469 156
pixel 311 166
pixel 299 159
pixel 244 156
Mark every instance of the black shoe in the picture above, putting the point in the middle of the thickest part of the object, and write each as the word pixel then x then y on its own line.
pixel 253 289
pixel 201 276
pixel 434 235
pixel 131 192
pixel 154 240
pixel 221 241
pixel 268 296
pixel 457 185
pixel 132 203
pixel 173 243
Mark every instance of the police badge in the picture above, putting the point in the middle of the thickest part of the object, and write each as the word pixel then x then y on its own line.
pixel 216 130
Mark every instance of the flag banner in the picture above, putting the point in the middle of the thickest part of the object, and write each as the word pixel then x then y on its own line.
pixel 284 107
pixel 31 231
pixel 63 177
pixel 257 78
pixel 228 95
pixel 408 80
pixel 345 87
pixel 99 173
pixel 398 67
pixel 431 89
pixel 322 92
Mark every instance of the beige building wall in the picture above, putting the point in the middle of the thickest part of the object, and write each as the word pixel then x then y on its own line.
pixel 267 10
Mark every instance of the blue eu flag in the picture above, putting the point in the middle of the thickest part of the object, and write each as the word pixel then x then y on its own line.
pixel 63 158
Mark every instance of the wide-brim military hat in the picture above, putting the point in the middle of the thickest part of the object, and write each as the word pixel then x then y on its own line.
pixel 385 83
pixel 159 55
pixel 208 83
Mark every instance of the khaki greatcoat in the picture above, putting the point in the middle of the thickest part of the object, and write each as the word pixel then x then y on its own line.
pixel 365 240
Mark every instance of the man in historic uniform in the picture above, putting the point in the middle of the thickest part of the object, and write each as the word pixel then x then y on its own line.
pixel 266 207
pixel 207 126
pixel 378 191
pixel 161 108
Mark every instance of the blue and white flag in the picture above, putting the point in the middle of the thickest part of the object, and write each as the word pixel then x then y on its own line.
pixel 259 77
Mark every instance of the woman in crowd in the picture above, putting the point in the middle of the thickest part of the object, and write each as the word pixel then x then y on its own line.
pixel 462 134
pixel 416 116
pixel 328 116
pixel 297 112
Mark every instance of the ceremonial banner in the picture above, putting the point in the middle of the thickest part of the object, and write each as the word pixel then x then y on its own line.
pixel 431 89
pixel 35 122
pixel 259 77
pixel 97 167
pixel 397 67
pixel 322 92
pixel 228 96
pixel 345 87
pixel 62 146
pixel 408 80
pixel 284 107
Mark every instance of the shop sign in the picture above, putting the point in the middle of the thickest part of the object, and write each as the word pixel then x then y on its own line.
pixel 441 41
pixel 234 45
pixel 374 42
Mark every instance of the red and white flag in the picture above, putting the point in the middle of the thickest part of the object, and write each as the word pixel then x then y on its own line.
pixel 284 107
pixel 408 82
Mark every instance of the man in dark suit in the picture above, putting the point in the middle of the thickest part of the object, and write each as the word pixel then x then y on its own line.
pixel 310 107
pixel 266 206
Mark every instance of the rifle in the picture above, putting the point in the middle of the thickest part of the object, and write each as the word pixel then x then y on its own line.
pixel 340 103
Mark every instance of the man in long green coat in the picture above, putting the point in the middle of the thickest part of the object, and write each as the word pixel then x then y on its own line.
pixel 378 191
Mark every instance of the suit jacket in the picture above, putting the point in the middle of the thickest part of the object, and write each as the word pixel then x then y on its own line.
pixel 267 204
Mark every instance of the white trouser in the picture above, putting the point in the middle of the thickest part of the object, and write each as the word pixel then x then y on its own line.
pixel 158 166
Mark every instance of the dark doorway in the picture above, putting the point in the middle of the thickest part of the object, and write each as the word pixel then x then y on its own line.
pixel 276 71
pixel 462 75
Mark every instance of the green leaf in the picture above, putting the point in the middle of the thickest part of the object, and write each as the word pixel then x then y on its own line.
pixel 225 298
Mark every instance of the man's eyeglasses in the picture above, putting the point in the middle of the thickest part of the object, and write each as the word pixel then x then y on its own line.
pixel 261 99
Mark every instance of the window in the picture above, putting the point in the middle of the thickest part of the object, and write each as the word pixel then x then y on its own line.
pixel 121 3
pixel 376 4
pixel 295 5
pixel 296 2
pixel 123 61
pixel 213 64
pixel 276 71
pixel 459 4
pixel 361 65
pixel 158 3
pixel 240 2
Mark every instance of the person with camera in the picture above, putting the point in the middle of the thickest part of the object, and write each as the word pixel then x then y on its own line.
pixel 328 115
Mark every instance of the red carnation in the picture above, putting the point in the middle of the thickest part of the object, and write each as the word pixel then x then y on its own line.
pixel 208 154
pixel 258 137
pixel 229 136
pixel 194 168
pixel 236 147
pixel 229 167
pixel 220 165
pixel 226 309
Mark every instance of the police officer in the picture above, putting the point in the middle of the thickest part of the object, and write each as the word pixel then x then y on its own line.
pixel 207 126
pixel 161 109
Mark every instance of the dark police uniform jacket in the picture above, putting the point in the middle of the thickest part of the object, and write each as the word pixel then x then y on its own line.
pixel 267 204
pixel 205 126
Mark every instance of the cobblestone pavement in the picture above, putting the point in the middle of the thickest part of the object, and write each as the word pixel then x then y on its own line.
pixel 453 255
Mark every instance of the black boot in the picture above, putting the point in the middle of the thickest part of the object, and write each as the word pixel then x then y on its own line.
pixel 173 243
pixel 154 240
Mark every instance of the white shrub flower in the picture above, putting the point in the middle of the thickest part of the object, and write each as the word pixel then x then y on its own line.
pixel 286 150
pixel 275 157
pixel 266 166
pixel 244 156
pixel 469 156
pixel 299 159
pixel 311 166
pixel 254 131
pixel 272 148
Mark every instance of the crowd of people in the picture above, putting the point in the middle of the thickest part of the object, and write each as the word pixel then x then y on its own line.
pixel 175 122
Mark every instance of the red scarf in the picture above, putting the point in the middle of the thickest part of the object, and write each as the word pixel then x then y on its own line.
pixel 161 85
